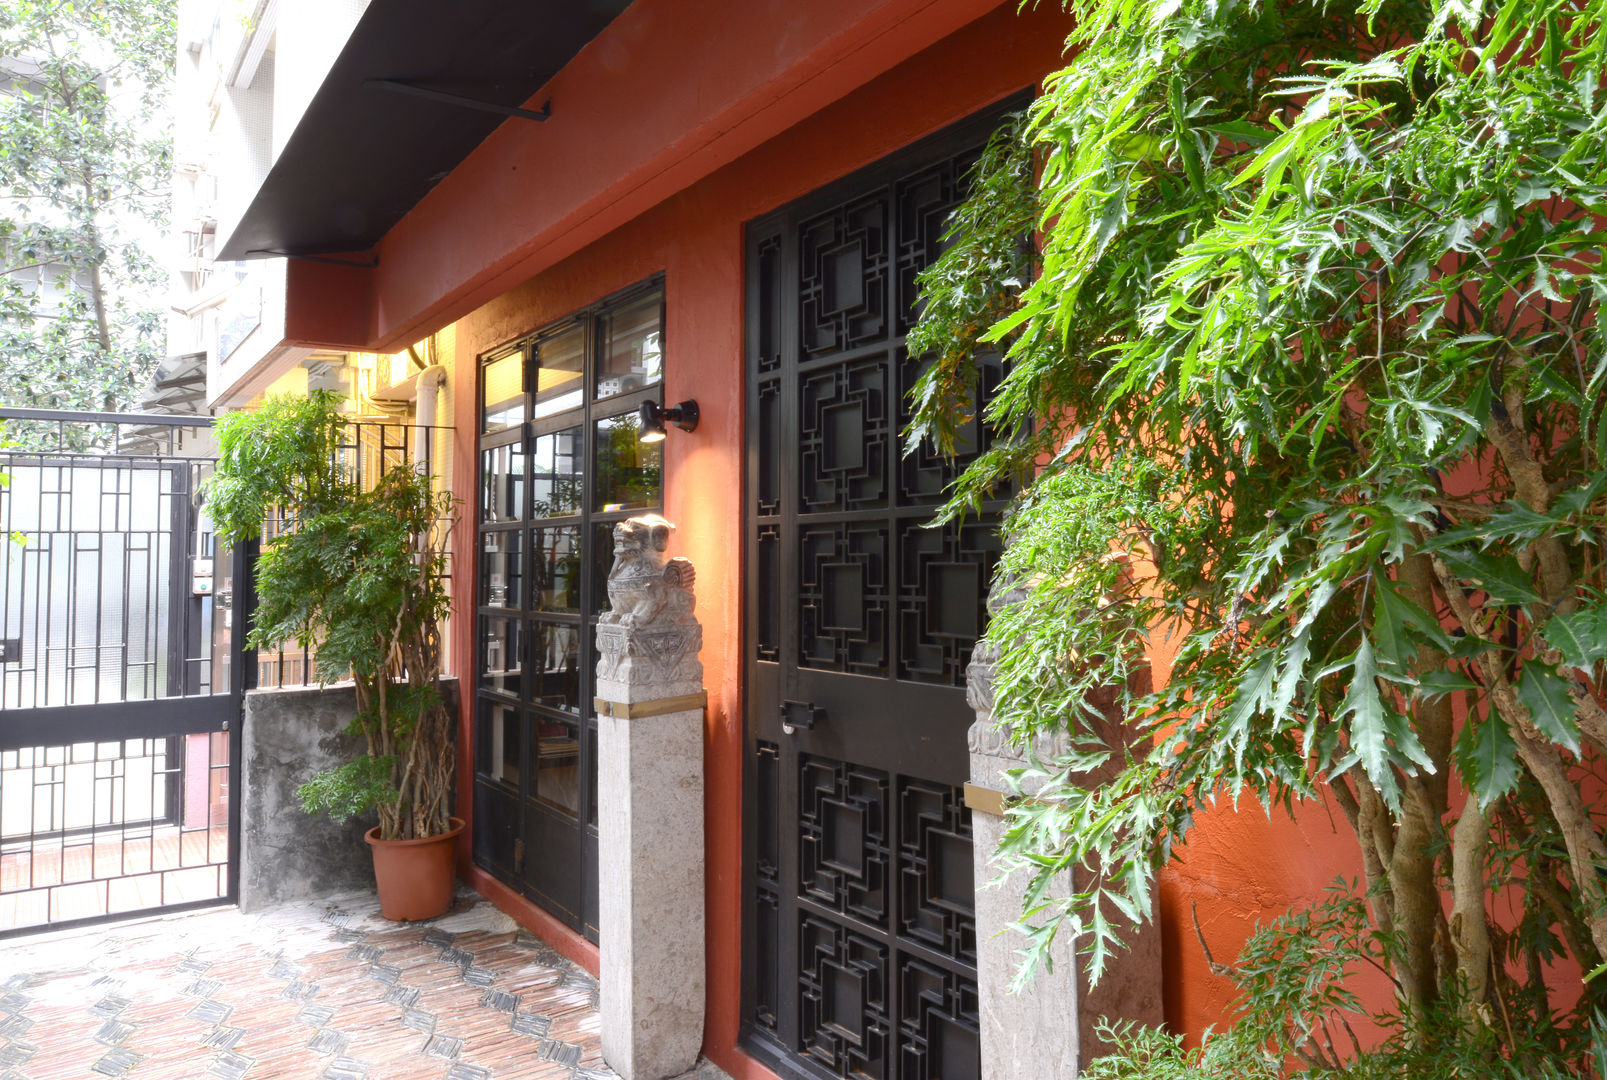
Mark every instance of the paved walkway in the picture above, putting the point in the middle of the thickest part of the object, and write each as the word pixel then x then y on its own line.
pixel 325 990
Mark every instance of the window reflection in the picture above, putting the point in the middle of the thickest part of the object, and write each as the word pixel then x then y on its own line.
pixel 628 474
pixel 502 484
pixel 556 480
pixel 555 675
pixel 499 655
pixel 500 569
pixel 499 743
pixel 633 349
pixel 558 766
pixel 555 564
pixel 503 393
pixel 560 364
pixel 602 561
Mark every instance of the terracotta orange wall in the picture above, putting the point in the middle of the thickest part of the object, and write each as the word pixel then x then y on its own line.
pixel 646 110
pixel 695 238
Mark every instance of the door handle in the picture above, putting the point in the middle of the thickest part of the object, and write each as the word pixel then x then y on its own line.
pixel 800 714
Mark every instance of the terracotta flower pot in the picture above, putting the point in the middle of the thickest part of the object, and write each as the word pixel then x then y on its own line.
pixel 414 876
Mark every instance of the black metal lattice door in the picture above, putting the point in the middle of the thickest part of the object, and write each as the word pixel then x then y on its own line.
pixel 121 672
pixel 860 938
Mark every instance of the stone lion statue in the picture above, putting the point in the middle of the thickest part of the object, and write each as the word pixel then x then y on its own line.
pixel 646 586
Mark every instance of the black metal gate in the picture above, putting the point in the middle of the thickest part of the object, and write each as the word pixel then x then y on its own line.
pixel 120 671
pixel 860 938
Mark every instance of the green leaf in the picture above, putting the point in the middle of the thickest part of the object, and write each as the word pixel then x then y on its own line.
pixel 1436 684
pixel 999 330
pixel 1399 614
pixel 1242 131
pixel 1499 576
pixel 1389 626
pixel 1256 688
pixel 1580 635
pixel 1489 758
pixel 1294 671
pixel 1368 730
pixel 1545 694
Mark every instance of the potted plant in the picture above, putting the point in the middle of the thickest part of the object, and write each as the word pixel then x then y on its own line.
pixel 358 575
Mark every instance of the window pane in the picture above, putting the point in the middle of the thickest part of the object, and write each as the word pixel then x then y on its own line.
pixel 633 348
pixel 560 363
pixel 627 475
pixel 502 484
pixel 500 567
pixel 555 666
pixel 555 566
pixel 499 655
pixel 591 781
pixel 503 393
pixel 558 765
pixel 557 475
pixel 497 743
pixel 602 561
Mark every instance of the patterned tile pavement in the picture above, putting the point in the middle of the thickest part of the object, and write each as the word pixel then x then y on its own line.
pixel 327 990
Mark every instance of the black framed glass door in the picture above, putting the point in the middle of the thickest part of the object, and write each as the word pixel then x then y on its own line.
pixel 860 937
pixel 560 464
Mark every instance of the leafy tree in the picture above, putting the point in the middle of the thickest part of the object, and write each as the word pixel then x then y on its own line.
pixel 360 577
pixel 1307 373
pixel 85 168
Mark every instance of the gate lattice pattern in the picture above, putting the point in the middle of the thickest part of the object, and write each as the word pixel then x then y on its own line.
pixel 115 663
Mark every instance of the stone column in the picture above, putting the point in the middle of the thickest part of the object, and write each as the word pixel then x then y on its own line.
pixel 1047 1030
pixel 650 702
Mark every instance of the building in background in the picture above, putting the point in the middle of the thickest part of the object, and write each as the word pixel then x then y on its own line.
pixel 245 73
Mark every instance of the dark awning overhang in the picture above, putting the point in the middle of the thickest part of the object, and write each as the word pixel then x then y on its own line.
pixel 365 153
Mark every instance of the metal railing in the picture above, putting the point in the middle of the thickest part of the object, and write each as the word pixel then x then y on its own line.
pixel 371 449
pixel 61 431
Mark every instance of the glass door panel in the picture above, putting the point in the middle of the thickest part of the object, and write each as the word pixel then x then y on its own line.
pixel 501 667
pixel 558 459
pixel 501 569
pixel 558 766
pixel 555 562
pixel 560 368
pixel 502 484
pixel 565 473
pixel 629 473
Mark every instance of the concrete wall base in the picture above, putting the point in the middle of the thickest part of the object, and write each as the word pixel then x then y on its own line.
pixel 285 853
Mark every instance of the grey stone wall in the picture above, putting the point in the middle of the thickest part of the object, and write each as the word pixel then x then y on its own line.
pixel 285 853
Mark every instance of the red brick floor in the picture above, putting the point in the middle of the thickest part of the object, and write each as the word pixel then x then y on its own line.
pixel 326 990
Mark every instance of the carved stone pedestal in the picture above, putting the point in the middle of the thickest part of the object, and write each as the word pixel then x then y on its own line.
pixel 1047 1030
pixel 650 810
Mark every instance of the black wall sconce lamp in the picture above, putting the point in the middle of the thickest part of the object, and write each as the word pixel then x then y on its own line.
pixel 650 427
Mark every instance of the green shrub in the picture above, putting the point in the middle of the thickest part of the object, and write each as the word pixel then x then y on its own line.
pixel 358 576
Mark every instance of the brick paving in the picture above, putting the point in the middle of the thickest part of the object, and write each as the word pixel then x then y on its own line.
pixel 325 990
